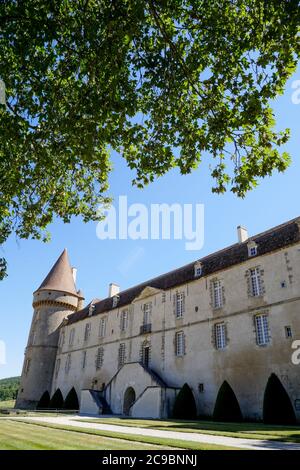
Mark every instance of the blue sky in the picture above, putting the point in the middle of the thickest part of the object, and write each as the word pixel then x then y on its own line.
pixel 128 262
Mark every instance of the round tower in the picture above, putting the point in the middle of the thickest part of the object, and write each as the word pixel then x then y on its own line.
pixel 53 301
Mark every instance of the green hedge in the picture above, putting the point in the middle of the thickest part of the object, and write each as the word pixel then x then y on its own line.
pixel 185 405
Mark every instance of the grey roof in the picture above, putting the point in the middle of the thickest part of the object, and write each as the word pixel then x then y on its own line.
pixel 268 241
pixel 60 278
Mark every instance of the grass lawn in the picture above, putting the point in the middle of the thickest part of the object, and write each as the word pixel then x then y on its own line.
pixel 20 436
pixel 7 404
pixel 44 436
pixel 243 430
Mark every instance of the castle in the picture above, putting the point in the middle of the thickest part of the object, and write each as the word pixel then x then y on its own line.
pixel 230 317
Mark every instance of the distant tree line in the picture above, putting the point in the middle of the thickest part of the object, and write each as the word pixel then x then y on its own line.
pixel 9 388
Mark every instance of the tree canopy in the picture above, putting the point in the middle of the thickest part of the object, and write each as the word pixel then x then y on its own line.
pixel 159 81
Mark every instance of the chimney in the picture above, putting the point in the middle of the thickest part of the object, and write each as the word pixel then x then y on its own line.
pixel 242 234
pixel 113 289
pixel 74 274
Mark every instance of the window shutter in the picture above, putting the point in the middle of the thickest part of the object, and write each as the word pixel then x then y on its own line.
pixel 213 336
pixel 174 304
pixel 183 303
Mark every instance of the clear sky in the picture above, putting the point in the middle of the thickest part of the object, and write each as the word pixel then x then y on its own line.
pixel 128 262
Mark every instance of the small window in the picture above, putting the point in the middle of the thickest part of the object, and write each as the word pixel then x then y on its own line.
pixel 102 327
pixel 33 337
pixel 57 367
pixel 68 364
pixel 115 301
pixel 147 313
pixel 99 358
pixel 262 329
pixel 62 339
pixel 87 331
pixel 217 293
pixel 145 354
pixel 179 344
pixel 83 363
pixel 179 304
pixel 91 309
pixel 252 249
pixel 288 332
pixel 198 269
pixel 124 320
pixel 121 355
pixel 201 388
pixel 256 283
pixel 27 366
pixel 220 335
pixel 71 337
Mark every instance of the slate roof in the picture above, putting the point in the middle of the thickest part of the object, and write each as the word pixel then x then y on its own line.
pixel 268 241
pixel 60 277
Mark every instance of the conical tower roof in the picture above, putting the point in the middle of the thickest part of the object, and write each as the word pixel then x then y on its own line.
pixel 60 277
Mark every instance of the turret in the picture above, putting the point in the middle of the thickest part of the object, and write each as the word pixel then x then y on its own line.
pixel 53 301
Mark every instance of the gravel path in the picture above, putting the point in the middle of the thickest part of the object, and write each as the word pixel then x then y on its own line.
pixel 252 444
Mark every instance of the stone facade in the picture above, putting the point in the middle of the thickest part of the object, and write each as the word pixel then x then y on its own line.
pixel 233 319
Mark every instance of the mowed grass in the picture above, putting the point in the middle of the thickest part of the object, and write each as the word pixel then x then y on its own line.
pixel 242 430
pixel 7 404
pixel 16 435
pixel 46 436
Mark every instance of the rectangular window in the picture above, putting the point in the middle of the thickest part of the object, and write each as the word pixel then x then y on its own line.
pixel 32 339
pixel 121 358
pixel 262 329
pixel 87 331
pixel 124 320
pixel 179 343
pixel 62 339
pixel 68 364
pixel 179 304
pixel 252 251
pixel 71 337
pixel 27 366
pixel 57 367
pixel 220 335
pixel 217 294
pixel 99 358
pixel 256 285
pixel 83 363
pixel 288 332
pixel 147 313
pixel 102 327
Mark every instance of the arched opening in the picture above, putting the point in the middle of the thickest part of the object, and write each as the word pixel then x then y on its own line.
pixel 71 401
pixel 129 399
pixel 44 401
pixel 277 407
pixel 57 400
pixel 185 405
pixel 227 407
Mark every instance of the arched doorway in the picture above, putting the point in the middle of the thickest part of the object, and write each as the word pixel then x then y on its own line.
pixel 129 399
pixel 277 407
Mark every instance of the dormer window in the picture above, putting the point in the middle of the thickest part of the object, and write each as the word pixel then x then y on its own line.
pixel 115 301
pixel 198 269
pixel 91 309
pixel 252 249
